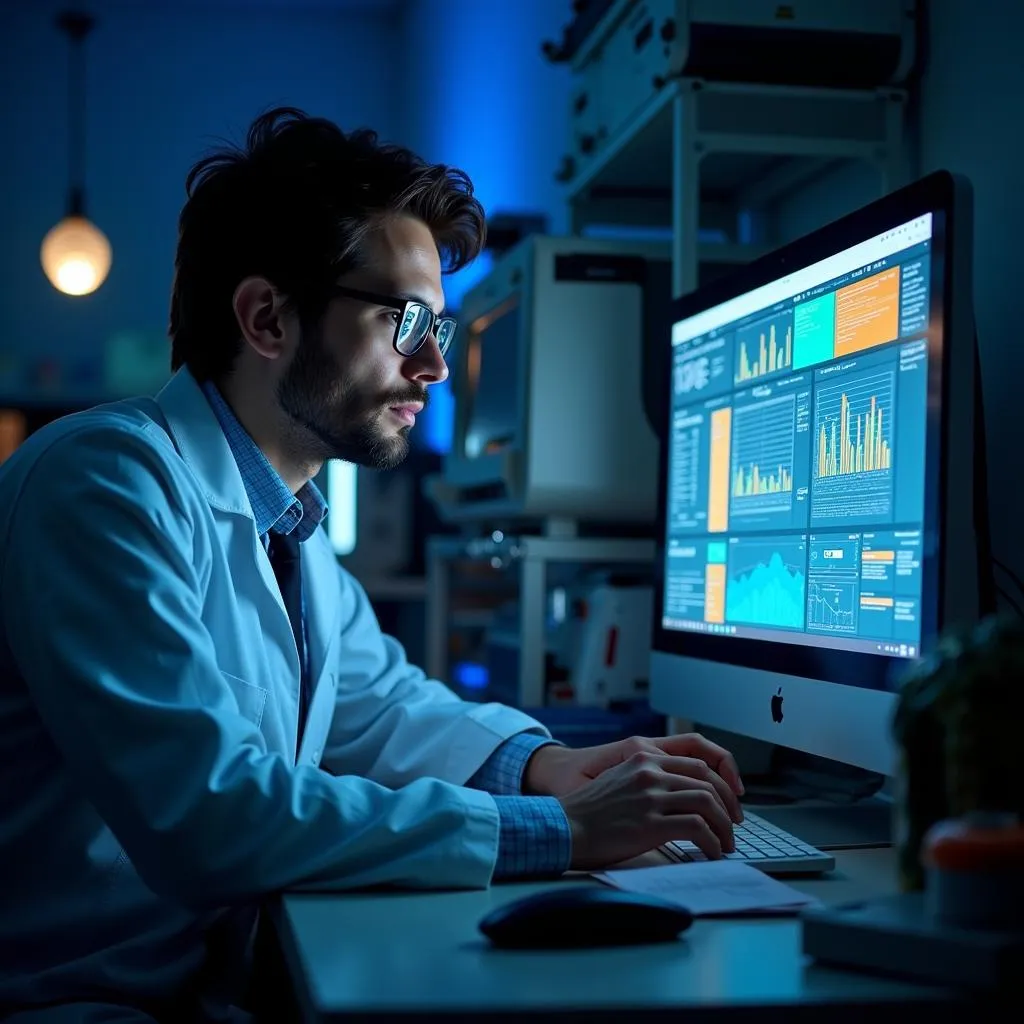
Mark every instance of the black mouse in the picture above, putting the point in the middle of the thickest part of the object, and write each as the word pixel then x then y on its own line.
pixel 584 915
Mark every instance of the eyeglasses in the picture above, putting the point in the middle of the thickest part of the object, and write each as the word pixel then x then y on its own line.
pixel 414 326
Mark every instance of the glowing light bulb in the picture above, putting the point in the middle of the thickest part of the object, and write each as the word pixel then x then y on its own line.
pixel 76 256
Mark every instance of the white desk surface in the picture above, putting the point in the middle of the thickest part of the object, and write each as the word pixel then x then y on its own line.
pixel 420 954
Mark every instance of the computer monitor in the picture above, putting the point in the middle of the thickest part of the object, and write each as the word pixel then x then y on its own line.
pixel 339 484
pixel 816 525
pixel 547 379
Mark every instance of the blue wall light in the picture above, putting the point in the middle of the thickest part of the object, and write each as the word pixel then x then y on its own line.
pixel 470 675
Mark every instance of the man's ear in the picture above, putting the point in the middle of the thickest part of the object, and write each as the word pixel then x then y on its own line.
pixel 259 310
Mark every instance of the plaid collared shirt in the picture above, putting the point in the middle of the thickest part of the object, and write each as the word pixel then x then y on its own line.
pixel 274 507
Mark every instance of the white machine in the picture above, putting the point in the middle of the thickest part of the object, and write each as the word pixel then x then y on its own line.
pixel 612 659
pixel 550 421
pixel 628 49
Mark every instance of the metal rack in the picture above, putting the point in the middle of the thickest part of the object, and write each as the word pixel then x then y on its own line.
pixel 699 153
pixel 531 556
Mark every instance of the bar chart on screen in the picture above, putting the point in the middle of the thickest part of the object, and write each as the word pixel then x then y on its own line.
pixel 763 436
pixel 764 348
pixel 852 442
pixel 853 447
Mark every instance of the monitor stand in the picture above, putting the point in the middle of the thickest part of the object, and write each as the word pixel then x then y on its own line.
pixel 827 804
pixel 862 824
pixel 830 805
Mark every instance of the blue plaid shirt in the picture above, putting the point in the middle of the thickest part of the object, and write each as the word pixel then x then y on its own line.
pixel 534 836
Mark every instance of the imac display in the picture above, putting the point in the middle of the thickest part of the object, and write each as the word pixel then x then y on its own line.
pixel 796 494
pixel 812 534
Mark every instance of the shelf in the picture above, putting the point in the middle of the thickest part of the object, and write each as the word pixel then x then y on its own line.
pixel 754 144
pixel 629 179
pixel 532 561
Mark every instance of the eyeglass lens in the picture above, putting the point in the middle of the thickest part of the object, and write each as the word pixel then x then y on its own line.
pixel 415 326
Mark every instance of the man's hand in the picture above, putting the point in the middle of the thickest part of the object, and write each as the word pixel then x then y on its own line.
pixel 628 797
pixel 557 771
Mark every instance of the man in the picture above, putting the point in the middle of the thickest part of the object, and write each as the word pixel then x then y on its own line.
pixel 197 707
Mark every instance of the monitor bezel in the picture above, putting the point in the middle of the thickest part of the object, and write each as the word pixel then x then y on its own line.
pixel 475 335
pixel 949 197
pixel 509 284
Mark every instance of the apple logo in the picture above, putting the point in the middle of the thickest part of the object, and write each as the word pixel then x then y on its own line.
pixel 777 706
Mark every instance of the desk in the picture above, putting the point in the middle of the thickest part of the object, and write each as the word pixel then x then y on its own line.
pixel 419 955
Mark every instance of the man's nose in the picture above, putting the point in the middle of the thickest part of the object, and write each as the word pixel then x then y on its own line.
pixel 426 365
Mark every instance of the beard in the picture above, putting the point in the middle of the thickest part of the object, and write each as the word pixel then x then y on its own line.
pixel 338 420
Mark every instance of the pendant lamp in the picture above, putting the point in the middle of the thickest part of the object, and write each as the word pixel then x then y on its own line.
pixel 75 254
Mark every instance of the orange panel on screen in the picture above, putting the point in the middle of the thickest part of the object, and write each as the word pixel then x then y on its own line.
pixel 714 593
pixel 719 475
pixel 868 312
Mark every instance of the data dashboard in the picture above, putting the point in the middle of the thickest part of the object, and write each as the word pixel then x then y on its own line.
pixel 796 479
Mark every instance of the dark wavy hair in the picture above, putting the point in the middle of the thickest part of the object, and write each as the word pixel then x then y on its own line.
pixel 294 206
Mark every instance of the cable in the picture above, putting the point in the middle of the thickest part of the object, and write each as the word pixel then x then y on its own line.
pixel 1009 572
pixel 988 602
pixel 989 590
pixel 1011 601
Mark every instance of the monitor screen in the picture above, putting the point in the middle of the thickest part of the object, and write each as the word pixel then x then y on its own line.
pixel 493 381
pixel 339 486
pixel 796 498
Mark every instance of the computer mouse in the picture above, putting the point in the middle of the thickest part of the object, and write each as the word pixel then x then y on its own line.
pixel 584 915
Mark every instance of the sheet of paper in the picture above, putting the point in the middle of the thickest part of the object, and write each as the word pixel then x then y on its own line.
pixel 711 887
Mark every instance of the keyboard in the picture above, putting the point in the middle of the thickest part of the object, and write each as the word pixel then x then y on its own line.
pixel 762 845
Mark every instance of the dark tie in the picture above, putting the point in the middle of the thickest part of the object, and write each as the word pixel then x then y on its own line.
pixel 284 557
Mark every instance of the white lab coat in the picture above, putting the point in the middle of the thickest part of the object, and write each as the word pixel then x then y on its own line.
pixel 148 714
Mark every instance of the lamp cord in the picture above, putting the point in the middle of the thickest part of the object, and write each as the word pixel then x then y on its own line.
pixel 76 126
pixel 77 26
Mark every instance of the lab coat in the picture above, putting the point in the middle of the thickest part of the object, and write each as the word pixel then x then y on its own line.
pixel 149 687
